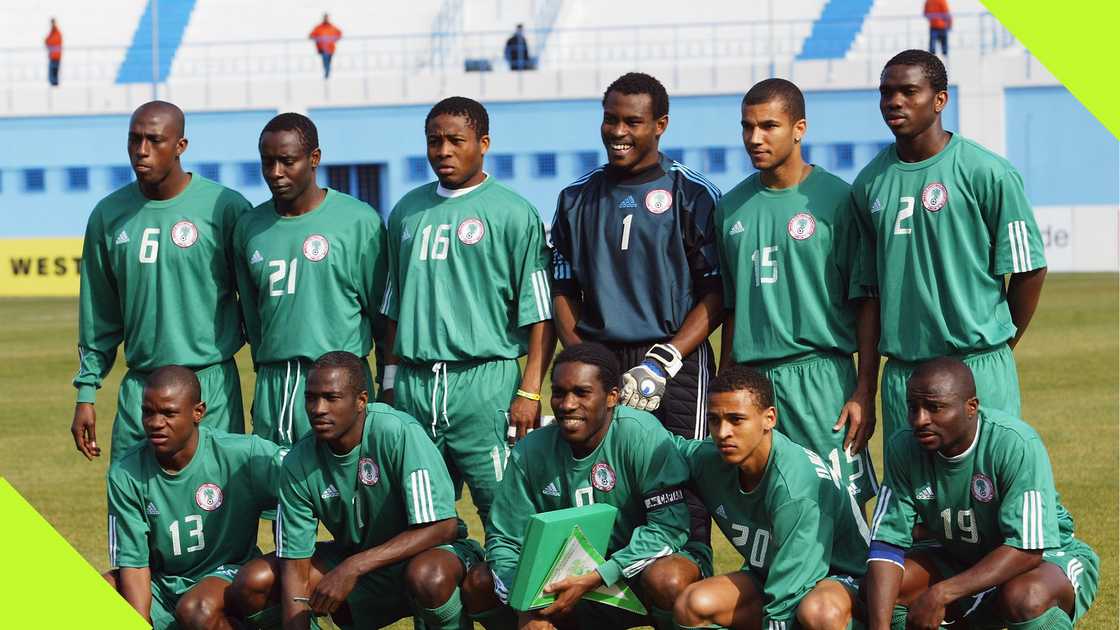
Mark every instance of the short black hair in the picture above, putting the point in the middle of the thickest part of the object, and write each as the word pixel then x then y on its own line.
pixel 641 83
pixel 175 376
pixel 767 90
pixel 302 125
pixel 739 377
pixel 932 68
pixel 468 108
pixel 346 361
pixel 595 354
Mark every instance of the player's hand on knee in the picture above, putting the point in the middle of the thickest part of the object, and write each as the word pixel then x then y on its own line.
pixel 643 385
pixel 928 611
pixel 84 430
pixel 333 589
pixel 524 416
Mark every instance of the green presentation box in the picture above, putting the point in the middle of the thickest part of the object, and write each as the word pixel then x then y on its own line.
pixel 563 543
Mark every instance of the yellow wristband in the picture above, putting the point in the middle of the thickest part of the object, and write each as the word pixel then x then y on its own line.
pixel 530 395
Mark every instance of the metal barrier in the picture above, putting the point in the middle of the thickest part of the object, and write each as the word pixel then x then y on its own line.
pixel 607 47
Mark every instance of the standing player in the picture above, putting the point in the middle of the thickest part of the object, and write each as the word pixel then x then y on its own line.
pixel 635 264
pixel 803 542
pixel 787 241
pixel 183 508
pixel 372 477
pixel 311 272
pixel 943 221
pixel 597 451
pixel 979 481
pixel 157 274
pixel 468 294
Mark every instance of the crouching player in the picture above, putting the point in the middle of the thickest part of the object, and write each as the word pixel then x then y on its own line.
pixel 803 542
pixel 596 452
pixel 374 479
pixel 980 483
pixel 183 507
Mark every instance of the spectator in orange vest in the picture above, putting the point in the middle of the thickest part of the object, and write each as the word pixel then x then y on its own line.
pixel 326 35
pixel 937 12
pixel 53 42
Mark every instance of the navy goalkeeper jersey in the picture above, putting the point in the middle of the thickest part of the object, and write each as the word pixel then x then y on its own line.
pixel 639 251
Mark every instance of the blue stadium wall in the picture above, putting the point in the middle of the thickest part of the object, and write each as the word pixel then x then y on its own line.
pixel 57 168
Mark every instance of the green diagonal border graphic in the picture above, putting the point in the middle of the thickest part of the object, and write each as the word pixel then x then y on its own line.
pixel 45 582
pixel 1076 41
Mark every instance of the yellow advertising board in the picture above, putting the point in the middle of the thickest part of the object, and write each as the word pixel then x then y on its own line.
pixel 37 267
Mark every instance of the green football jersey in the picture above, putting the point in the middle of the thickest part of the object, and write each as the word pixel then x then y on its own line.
pixel 786 257
pixel 937 238
pixel 394 478
pixel 313 283
pixel 998 492
pixel 184 525
pixel 635 468
pixel 795 528
pixel 158 275
pixel 467 274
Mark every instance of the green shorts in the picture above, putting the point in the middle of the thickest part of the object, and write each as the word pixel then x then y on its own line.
pixel 221 391
pixel 1077 560
pixel 278 411
pixel 809 392
pixel 464 408
pixel 997 385
pixel 379 598
pixel 165 599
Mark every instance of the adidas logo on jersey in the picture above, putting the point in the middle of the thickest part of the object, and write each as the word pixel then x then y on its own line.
pixel 925 494
pixel 330 493
pixel 256 258
pixel 122 238
pixel 406 235
pixel 551 490
pixel 628 202
pixel 720 512
pixel 876 206
pixel 736 229
pixel 152 509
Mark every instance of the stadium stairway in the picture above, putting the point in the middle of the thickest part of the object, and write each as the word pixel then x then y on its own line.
pixel 836 29
pixel 172 19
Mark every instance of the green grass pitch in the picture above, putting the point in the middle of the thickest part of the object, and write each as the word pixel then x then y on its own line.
pixel 1067 365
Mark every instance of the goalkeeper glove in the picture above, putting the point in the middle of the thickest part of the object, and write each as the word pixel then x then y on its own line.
pixel 643 386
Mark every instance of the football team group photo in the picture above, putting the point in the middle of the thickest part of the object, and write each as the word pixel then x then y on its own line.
pixel 803 400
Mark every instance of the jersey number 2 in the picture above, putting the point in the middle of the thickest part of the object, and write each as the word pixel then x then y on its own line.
pixel 906 212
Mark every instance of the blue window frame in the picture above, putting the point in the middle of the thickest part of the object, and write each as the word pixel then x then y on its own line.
pixel 586 161
pixel 544 164
pixel 77 178
pixel 210 170
pixel 715 160
pixel 34 180
pixel 119 176
pixel 249 174
pixel 843 156
pixel 503 165
pixel 677 155
pixel 417 166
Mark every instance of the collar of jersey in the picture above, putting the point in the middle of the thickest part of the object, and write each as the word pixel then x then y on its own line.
pixel 956 459
pixel 203 442
pixel 954 140
pixel 167 203
pixel 784 192
pixel 653 173
pixel 312 212
pixel 449 193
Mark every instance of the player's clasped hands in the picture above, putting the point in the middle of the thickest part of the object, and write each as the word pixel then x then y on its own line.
pixel 333 589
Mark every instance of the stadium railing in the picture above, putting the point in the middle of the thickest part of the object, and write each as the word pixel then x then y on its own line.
pixel 607 47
